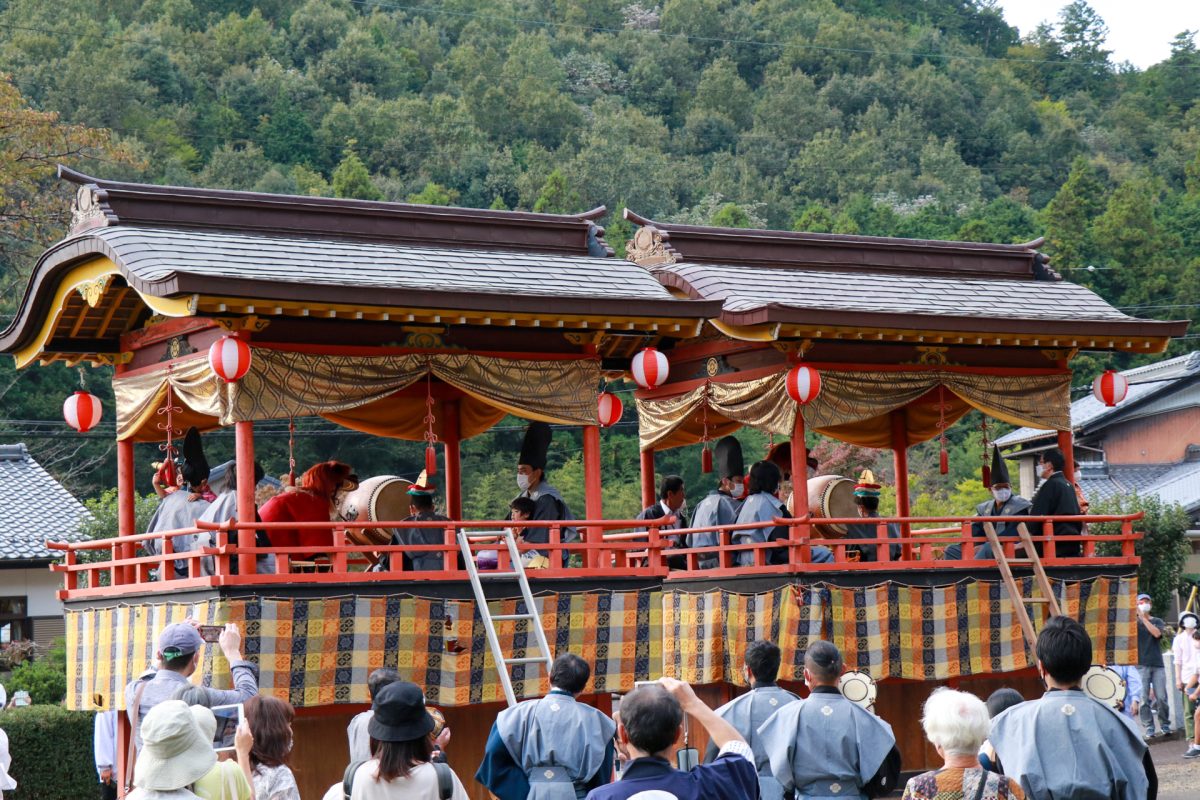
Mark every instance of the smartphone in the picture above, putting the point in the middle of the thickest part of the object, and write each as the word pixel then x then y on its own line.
pixel 639 684
pixel 228 719
pixel 211 633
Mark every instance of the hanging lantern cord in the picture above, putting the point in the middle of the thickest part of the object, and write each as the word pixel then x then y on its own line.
pixel 82 382
pixel 430 437
pixel 291 451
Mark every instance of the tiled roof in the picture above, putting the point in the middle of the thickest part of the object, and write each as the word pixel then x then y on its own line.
pixel 1143 382
pixel 1171 483
pixel 156 256
pixel 34 507
pixel 745 288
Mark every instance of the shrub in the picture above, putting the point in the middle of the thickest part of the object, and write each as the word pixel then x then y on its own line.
pixel 51 752
pixel 44 678
pixel 1163 550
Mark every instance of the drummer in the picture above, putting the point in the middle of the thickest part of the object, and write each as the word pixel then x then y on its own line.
pixel 420 509
pixel 866 501
pixel 763 505
pixel 781 456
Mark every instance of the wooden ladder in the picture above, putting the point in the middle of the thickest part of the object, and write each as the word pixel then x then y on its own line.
pixel 1031 559
pixel 529 616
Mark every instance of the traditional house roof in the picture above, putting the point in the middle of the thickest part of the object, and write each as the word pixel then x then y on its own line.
pixel 805 285
pixel 1171 483
pixel 1154 388
pixel 34 508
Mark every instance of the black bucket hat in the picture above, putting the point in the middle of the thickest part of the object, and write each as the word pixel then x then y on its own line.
pixel 400 714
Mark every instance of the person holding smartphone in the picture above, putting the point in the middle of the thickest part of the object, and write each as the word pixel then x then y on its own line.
pixel 179 652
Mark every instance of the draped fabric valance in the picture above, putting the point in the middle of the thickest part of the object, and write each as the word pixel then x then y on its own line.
pixel 360 392
pixel 856 406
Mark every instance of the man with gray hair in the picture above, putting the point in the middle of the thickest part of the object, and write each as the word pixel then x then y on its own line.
pixel 828 747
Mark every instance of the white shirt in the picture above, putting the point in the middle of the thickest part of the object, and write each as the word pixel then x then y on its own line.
pixel 421 784
pixel 1187 657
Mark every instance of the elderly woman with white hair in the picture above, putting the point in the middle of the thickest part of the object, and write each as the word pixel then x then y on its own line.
pixel 956 724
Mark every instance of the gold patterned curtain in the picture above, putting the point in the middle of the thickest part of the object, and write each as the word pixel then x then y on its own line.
pixel 360 392
pixel 856 406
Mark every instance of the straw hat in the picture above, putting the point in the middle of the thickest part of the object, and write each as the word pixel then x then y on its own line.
pixel 174 753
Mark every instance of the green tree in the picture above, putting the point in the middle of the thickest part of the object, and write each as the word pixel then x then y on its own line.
pixel 434 195
pixel 1164 548
pixel 557 196
pixel 1068 217
pixel 351 179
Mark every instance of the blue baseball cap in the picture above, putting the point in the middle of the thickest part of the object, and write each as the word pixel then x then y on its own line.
pixel 179 639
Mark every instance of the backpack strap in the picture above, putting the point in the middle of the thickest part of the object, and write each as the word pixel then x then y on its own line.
pixel 445 779
pixel 348 778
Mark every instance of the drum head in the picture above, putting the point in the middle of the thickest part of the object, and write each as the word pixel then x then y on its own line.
pixel 1105 685
pixel 831 497
pixel 858 687
pixel 383 498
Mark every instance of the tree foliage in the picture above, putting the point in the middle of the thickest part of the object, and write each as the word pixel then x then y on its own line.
pixel 1164 549
pixel 912 118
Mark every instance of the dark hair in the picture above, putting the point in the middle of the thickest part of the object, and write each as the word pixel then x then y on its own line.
pixel 652 718
pixel 396 759
pixel 869 503
pixel 231 479
pixel 1055 457
pixel 381 678
pixel 178 663
pixel 421 501
pixel 670 485
pixel 762 657
pixel 764 477
pixel 1065 650
pixel 523 504
pixel 1001 699
pixel 570 673
pixel 270 721
pixel 824 661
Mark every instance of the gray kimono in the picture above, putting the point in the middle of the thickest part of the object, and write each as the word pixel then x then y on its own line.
pixel 175 512
pixel 747 714
pixel 825 747
pixel 715 509
pixel 1067 745
pixel 558 742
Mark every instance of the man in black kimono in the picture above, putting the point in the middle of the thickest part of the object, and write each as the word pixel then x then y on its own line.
pixel 1055 497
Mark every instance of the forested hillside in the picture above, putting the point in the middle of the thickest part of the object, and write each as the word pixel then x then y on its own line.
pixel 916 118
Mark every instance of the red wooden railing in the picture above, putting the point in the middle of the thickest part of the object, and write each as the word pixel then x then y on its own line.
pixel 610 549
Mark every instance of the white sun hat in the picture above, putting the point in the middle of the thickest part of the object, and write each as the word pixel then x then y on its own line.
pixel 175 753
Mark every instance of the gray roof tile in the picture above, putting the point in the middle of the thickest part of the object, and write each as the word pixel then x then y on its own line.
pixel 34 507
pixel 745 288
pixel 156 254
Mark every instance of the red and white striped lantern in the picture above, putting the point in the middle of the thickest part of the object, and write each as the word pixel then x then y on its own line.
pixel 229 358
pixel 803 384
pixel 610 409
pixel 82 411
pixel 650 368
pixel 1110 388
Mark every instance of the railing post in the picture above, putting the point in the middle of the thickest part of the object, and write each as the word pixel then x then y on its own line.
pixel 1128 544
pixel 883 552
pixel 967 545
pixel 449 561
pixel 71 578
pixel 653 553
pixel 339 556
pixel 126 511
pixel 1049 552
pixel 556 551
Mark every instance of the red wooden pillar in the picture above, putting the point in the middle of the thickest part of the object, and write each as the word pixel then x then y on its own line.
pixel 799 485
pixel 126 513
pixel 648 488
pixel 900 455
pixel 593 488
pixel 451 435
pixel 244 454
pixel 1066 443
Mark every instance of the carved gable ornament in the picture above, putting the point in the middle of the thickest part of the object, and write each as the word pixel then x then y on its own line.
pixel 87 210
pixel 649 248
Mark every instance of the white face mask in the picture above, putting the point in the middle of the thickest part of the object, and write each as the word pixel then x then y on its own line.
pixel 1002 495
pixel 1144 607
pixel 737 489
pixel 522 482
pixel 1189 623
